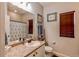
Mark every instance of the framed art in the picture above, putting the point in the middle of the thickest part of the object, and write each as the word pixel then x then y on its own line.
pixel 52 17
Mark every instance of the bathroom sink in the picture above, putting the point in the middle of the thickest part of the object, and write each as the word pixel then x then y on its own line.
pixel 32 44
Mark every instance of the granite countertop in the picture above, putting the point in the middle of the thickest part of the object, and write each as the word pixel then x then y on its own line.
pixel 21 50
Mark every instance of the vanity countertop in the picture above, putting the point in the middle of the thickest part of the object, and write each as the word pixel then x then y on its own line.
pixel 21 50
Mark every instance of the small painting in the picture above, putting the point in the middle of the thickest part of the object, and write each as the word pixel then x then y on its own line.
pixel 52 17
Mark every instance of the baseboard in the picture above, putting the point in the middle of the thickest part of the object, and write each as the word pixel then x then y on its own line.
pixel 59 54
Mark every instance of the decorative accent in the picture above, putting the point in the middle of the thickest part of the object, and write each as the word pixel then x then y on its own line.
pixel 52 17
pixel 17 30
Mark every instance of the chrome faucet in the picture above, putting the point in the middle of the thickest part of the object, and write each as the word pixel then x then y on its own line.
pixel 22 40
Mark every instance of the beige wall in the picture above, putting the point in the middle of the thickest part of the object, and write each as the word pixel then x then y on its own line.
pixel 27 16
pixel 64 45
pixel 3 14
pixel 20 17
pixel 16 17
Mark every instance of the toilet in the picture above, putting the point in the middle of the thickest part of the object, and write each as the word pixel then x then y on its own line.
pixel 48 50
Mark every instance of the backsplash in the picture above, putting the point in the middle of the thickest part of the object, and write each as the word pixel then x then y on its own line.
pixel 17 30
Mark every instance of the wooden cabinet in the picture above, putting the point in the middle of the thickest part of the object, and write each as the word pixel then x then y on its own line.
pixel 67 24
pixel 40 52
pixel 32 55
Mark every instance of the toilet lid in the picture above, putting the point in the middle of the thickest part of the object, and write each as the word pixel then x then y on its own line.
pixel 48 49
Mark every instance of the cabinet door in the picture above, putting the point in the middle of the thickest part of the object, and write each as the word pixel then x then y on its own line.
pixel 40 52
pixel 32 55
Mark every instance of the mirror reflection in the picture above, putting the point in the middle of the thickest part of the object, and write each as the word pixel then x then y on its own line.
pixel 19 25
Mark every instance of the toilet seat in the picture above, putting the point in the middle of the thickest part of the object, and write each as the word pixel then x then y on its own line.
pixel 48 49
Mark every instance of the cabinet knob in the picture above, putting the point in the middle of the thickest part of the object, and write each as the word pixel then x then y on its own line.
pixel 33 54
pixel 36 53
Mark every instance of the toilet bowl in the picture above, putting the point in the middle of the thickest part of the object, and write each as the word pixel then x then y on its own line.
pixel 48 49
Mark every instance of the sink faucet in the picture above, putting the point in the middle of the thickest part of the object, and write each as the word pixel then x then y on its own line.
pixel 22 40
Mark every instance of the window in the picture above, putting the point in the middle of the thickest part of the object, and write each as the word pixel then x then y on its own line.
pixel 67 24
pixel 30 26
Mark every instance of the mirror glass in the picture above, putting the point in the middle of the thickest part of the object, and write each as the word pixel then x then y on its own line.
pixel 18 25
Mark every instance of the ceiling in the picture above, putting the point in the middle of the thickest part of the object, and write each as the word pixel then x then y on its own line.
pixel 19 10
pixel 44 4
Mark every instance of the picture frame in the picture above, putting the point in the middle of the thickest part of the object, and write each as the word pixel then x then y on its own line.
pixel 52 17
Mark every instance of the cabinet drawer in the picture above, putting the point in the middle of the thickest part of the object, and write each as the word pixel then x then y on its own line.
pixel 40 52
pixel 32 54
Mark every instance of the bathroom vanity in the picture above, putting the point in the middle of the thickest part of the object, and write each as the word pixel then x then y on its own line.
pixel 20 28
pixel 23 50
